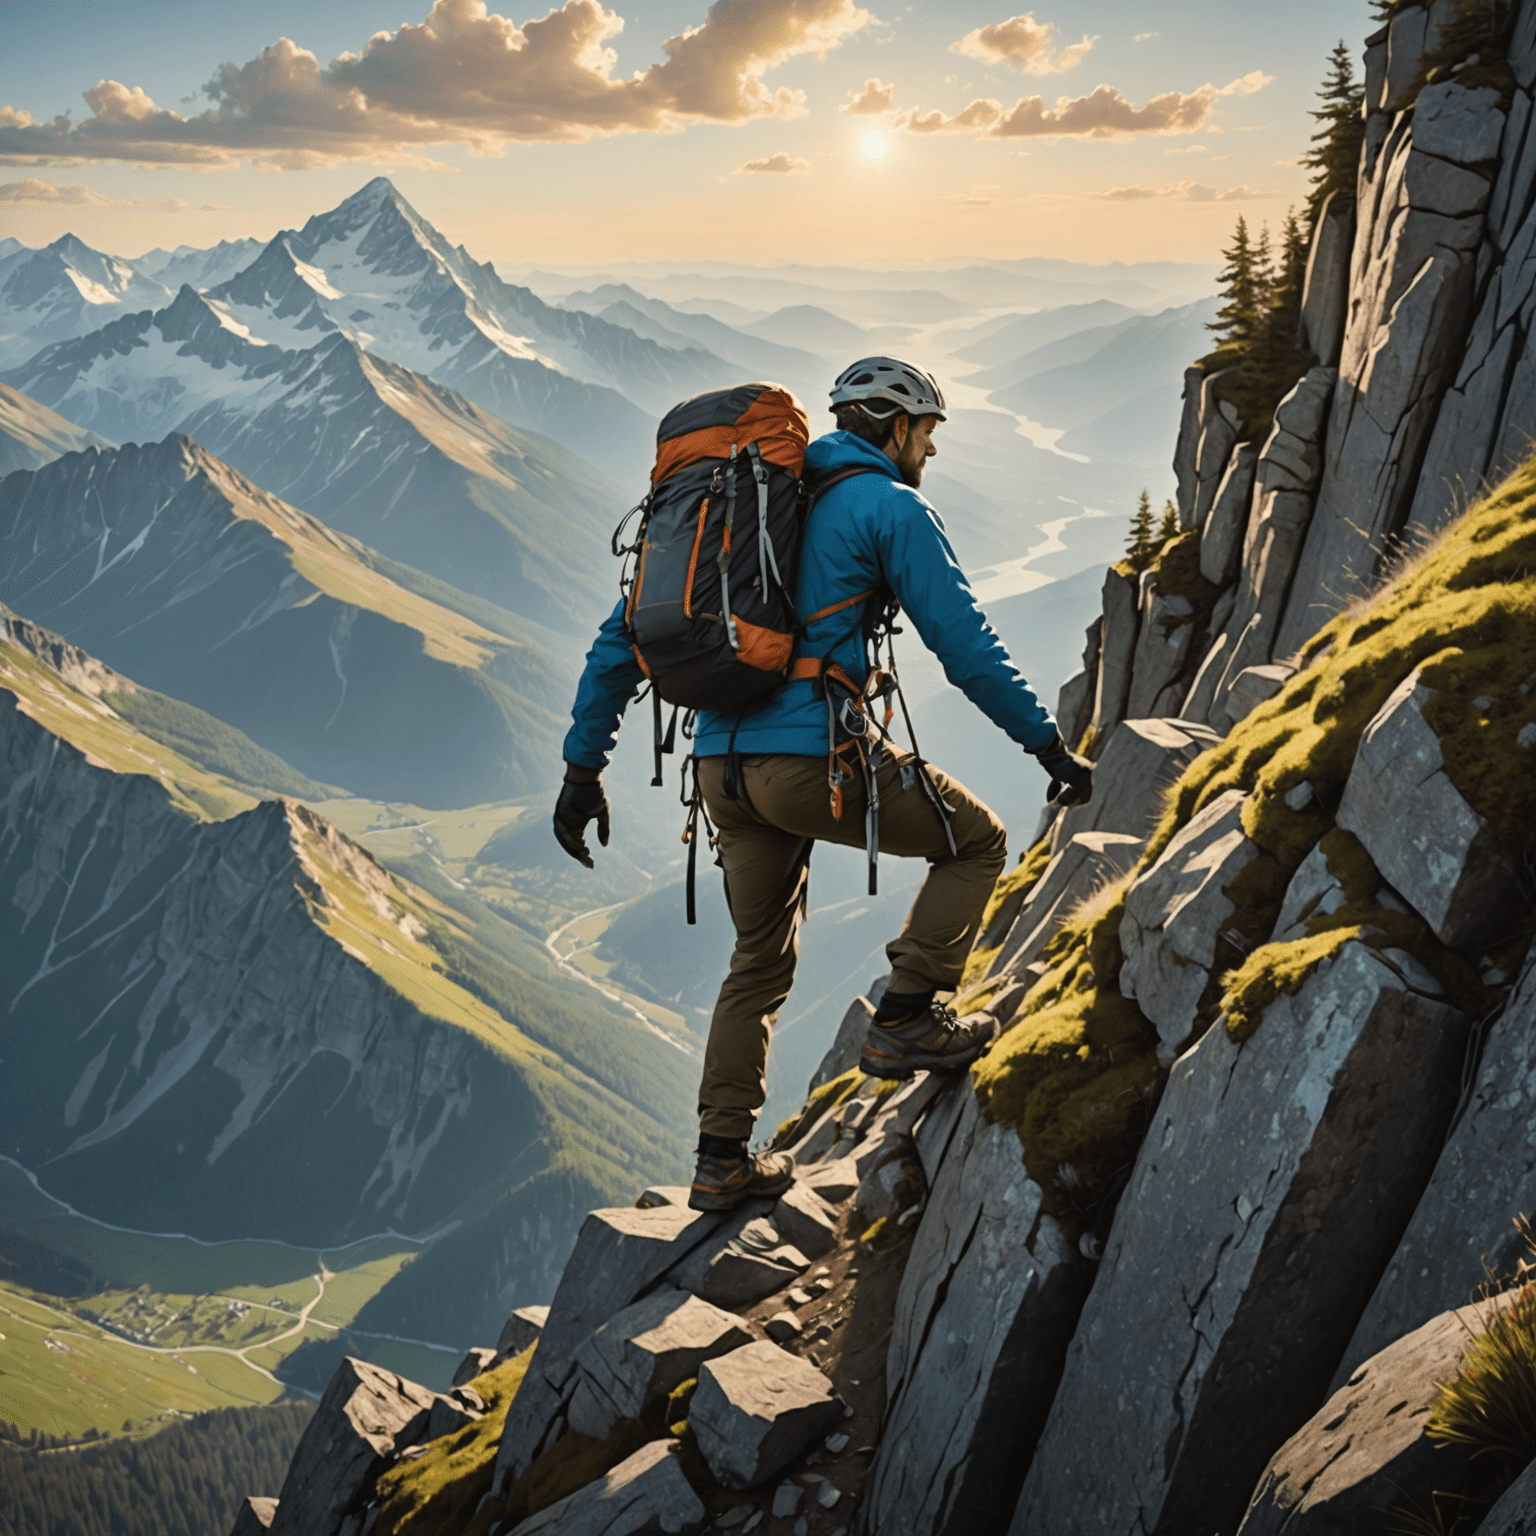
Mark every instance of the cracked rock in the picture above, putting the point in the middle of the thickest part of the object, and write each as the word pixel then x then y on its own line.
pixel 1265 1200
pixel 646 1493
pixel 1484 1179
pixel 806 1220
pixel 618 1254
pixel 987 1303
pixel 473 1364
pixel 756 1410
pixel 1515 1512
pixel 1365 1448
pixel 1221 540
pixel 1428 843
pixel 1138 762
pixel 254 1517
pixel 1117 651
pixel 1174 917
pixel 641 1354
pixel 365 1419
pixel 749 1261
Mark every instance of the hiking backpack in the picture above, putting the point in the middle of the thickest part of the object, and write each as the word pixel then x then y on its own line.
pixel 710 606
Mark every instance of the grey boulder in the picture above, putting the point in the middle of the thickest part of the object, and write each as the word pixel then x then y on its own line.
pixel 843 1054
pixel 365 1419
pixel 1175 915
pixel 1135 766
pixel 755 1410
pixel 987 1304
pixel 474 1363
pixel 805 1220
pixel 646 1493
pixel 1365 1449
pixel 1268 1194
pixel 1253 686
pixel 752 1262
pixel 522 1328
pixel 641 1354
pixel 1221 541
pixel 619 1254
pixel 1429 844
pixel 1485 1179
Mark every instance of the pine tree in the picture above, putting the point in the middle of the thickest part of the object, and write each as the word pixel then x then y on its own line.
pixel 1169 527
pixel 1237 321
pixel 1140 548
pixel 1334 159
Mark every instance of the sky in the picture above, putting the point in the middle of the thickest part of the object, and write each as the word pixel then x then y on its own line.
pixel 1111 130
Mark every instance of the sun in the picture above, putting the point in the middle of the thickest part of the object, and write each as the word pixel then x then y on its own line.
pixel 875 145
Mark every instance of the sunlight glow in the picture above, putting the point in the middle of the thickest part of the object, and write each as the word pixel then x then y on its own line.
pixel 875 145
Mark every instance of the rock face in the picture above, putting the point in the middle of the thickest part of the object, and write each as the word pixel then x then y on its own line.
pixel 522 1328
pixel 1484 1179
pixel 1138 763
pixel 1117 653
pixel 1433 848
pixel 254 1517
pixel 366 1417
pixel 755 1410
pixel 1221 540
pixel 1515 1512
pixel 648 1492
pixel 1275 1179
pixel 619 1254
pixel 642 1353
pixel 1174 917
pixel 1365 1450
pixel 987 1304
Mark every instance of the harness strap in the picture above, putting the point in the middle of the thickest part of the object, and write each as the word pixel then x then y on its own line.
pixel 723 559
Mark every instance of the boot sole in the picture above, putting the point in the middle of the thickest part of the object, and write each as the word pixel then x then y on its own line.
pixel 707 1200
pixel 907 1066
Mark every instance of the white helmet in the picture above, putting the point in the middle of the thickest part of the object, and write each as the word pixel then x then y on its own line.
pixel 904 386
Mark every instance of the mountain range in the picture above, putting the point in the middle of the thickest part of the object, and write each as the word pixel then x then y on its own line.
pixel 177 571
pixel 403 463
pixel 31 435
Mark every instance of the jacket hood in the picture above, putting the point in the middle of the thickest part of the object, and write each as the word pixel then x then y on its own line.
pixel 842 450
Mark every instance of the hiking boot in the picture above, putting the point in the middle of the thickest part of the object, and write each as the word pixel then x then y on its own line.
pixel 722 1183
pixel 931 1038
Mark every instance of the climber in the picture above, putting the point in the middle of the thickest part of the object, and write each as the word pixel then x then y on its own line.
pixel 764 772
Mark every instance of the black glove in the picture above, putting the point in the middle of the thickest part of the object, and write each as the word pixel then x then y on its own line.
pixel 1071 775
pixel 579 802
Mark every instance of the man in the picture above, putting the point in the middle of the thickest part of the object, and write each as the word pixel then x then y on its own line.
pixel 870 531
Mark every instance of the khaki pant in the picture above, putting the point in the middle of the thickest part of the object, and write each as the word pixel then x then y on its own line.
pixel 765 844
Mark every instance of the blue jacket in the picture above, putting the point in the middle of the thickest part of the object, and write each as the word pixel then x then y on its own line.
pixel 865 527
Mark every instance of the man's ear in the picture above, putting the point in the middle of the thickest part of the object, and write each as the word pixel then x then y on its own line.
pixel 899 430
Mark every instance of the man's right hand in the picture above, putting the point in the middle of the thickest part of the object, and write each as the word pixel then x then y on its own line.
pixel 1071 775
pixel 581 801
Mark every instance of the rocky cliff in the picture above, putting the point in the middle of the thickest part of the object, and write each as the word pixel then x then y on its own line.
pixel 1203 1241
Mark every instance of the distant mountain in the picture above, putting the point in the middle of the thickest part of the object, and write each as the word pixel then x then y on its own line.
pixel 815 329
pixel 177 571
pixel 757 356
pixel 246 1028
pixel 374 269
pixel 64 290
pixel 1004 344
pixel 1077 347
pixel 200 268
pixel 399 461
pixel 1151 347
pixel 31 435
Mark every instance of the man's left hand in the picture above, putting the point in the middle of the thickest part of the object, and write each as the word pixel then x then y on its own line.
pixel 1071 775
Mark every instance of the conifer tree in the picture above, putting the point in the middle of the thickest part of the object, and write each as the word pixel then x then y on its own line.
pixel 1334 158
pixel 1140 547
pixel 1168 528
pixel 1237 321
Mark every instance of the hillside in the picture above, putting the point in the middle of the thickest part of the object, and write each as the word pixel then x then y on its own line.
pixel 175 570
pixel 31 435
pixel 261 987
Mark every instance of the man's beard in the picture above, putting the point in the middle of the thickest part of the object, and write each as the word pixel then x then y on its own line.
pixel 911 469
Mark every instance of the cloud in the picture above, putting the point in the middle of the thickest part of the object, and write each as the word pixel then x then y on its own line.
pixel 1180 192
pixel 1145 37
pixel 1103 114
pixel 1187 149
pixel 464 76
pixel 32 190
pixel 1023 43
pixel 780 164
pixel 876 96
